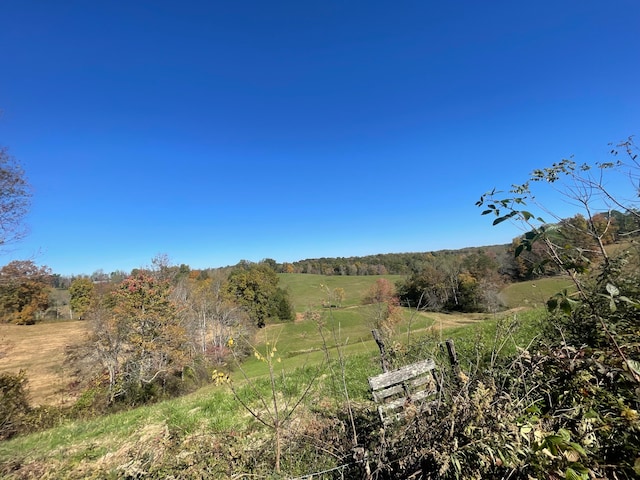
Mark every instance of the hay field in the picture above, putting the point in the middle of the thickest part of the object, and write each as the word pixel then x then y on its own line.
pixel 39 349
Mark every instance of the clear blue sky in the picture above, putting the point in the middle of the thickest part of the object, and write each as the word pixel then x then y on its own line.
pixel 218 131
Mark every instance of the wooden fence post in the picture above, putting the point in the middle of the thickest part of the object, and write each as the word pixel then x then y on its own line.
pixel 453 357
pixel 384 360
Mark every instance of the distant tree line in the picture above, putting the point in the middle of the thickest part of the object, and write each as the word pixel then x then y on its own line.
pixel 616 225
pixel 380 264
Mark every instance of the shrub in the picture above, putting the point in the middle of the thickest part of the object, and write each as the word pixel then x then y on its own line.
pixel 14 404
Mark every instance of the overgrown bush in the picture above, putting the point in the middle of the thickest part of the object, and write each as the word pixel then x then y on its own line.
pixel 17 415
pixel 14 404
pixel 558 412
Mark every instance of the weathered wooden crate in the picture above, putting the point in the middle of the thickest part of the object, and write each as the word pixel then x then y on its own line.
pixel 413 385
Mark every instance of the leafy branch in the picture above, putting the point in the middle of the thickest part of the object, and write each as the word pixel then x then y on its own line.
pixel 585 185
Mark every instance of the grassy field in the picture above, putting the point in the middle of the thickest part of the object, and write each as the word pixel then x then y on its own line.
pixel 308 290
pixel 349 326
pixel 39 349
pixel 534 293
pixel 208 433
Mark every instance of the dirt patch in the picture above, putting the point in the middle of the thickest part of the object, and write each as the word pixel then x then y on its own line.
pixel 39 349
pixel 449 320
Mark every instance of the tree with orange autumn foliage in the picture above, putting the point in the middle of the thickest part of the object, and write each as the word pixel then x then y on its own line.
pixel 155 335
pixel 385 312
pixel 24 292
pixel 138 337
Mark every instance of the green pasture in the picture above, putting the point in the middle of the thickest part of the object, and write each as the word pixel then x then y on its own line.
pixel 534 293
pixel 308 290
pixel 311 342
pixel 345 332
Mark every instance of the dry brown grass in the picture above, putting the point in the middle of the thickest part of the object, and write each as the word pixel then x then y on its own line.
pixel 39 349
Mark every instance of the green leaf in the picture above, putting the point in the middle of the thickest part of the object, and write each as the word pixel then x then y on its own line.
pixel 613 290
pixel 526 215
pixel 565 306
pixel 505 217
pixel 553 440
pixel 456 464
pixel 535 409
pixel 578 448
pixel 525 430
pixel 486 212
pixel 571 474
pixel 634 365
pixel 564 434
pixel 628 300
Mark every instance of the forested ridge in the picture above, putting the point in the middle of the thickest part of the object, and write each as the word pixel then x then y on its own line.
pixel 379 264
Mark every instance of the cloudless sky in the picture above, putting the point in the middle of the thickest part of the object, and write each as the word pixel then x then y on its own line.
pixel 218 131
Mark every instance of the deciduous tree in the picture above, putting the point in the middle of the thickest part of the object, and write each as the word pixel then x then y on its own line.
pixel 255 287
pixel 154 334
pixel 384 311
pixel 138 337
pixel 426 289
pixel 381 291
pixel 81 294
pixel 14 198
pixel 24 292
pixel 213 320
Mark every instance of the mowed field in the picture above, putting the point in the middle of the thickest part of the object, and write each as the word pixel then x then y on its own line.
pixel 40 351
pixel 534 293
pixel 309 290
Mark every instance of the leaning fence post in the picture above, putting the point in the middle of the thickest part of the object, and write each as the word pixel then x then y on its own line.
pixel 453 357
pixel 384 360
